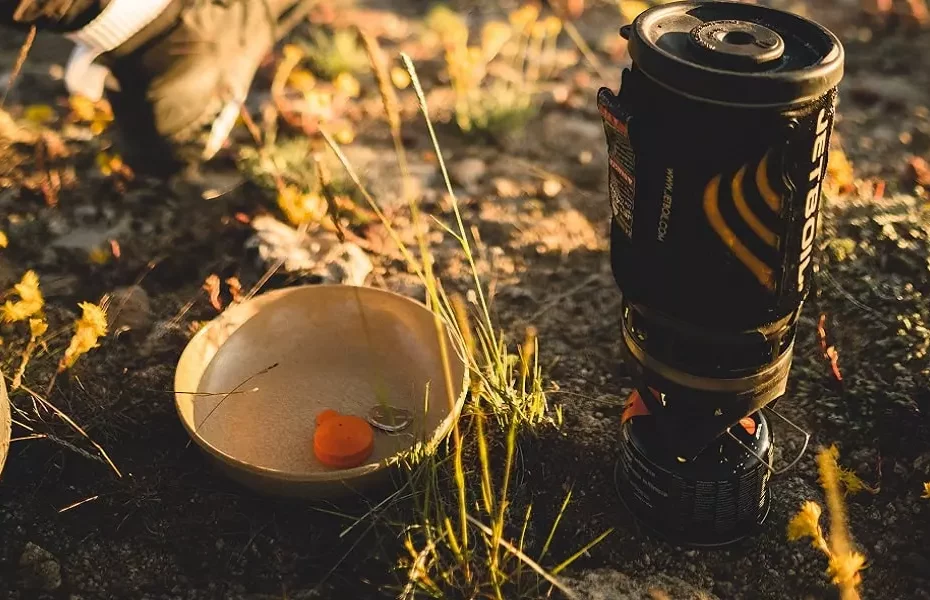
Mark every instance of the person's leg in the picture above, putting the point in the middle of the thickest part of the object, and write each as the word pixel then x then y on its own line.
pixel 181 70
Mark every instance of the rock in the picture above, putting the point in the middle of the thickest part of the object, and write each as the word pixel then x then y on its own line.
pixel 128 309
pixel 318 254
pixel 381 175
pixel 896 91
pixel 468 173
pixel 608 584
pixel 39 569
pixel 581 141
pixel 90 238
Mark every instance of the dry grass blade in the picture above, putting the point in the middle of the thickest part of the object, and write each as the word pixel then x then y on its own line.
pixel 353 175
pixel 234 391
pixel 38 397
pixel 326 188
pixel 391 105
pixel 424 108
pixel 524 558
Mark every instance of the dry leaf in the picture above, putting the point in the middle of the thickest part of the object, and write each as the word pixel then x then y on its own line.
pixel 235 289
pixel 920 170
pixel 212 287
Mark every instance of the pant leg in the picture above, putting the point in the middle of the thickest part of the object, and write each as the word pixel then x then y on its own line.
pixel 49 15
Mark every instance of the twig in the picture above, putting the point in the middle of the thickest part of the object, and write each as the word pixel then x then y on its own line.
pixel 20 61
pixel 78 503
pixel 250 124
pixel 353 175
pixel 34 436
pixel 573 33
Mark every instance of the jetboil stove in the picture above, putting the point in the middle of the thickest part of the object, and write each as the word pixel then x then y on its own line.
pixel 717 144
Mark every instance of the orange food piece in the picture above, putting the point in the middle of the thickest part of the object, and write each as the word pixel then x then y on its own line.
pixel 326 414
pixel 342 441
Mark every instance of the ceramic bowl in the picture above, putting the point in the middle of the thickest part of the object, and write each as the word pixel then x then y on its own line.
pixel 250 384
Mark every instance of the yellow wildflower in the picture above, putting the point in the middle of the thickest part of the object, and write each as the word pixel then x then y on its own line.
pixel 539 30
pixel 99 256
pixel 39 114
pixel 400 78
pixel 292 52
pixel 631 9
pixel 845 569
pixel 522 17
pixel 927 490
pixel 87 330
pixel 3 241
pixel 299 207
pixel 319 103
pixel 806 523
pixel 553 25
pixel 109 163
pixel 348 85
pixel 302 80
pixel 345 134
pixel 853 483
pixel 30 299
pixel 493 37
pixel 448 25
pixel 37 327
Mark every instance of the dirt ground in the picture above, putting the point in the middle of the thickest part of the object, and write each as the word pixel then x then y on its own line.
pixel 173 528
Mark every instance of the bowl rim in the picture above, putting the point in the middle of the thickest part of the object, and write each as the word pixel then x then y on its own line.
pixel 342 475
pixel 6 423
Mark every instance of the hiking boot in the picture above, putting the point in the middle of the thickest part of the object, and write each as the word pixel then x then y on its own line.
pixel 176 85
